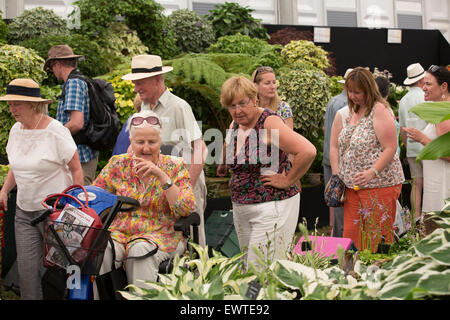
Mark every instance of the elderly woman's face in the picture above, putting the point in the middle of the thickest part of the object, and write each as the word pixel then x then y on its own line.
pixel 242 110
pixel 146 143
pixel 21 110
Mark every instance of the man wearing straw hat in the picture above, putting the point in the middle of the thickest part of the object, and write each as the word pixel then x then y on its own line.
pixel 415 95
pixel 179 126
pixel 334 105
pixel 73 106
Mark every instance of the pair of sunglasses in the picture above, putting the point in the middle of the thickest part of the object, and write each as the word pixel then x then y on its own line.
pixel 433 68
pixel 261 69
pixel 152 120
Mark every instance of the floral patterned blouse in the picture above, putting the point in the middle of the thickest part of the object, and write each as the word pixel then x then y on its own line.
pixel 284 110
pixel 359 149
pixel 155 218
pixel 245 184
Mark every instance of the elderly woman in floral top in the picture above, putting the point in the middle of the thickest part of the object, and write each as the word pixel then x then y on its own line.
pixel 363 153
pixel 161 185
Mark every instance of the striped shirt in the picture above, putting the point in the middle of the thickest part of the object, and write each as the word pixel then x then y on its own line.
pixel 76 99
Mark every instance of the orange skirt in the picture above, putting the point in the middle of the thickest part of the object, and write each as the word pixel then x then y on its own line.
pixel 369 216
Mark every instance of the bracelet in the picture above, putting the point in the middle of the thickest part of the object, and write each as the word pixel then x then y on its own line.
pixel 375 171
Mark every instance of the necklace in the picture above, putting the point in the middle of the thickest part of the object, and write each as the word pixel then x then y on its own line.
pixel 29 139
pixel 39 121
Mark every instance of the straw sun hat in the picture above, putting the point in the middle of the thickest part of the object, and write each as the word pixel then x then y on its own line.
pixel 145 66
pixel 23 90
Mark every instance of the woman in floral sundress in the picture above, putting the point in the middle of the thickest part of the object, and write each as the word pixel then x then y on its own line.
pixel 161 185
pixel 363 154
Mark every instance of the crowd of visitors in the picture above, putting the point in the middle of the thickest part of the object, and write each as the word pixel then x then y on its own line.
pixel 263 152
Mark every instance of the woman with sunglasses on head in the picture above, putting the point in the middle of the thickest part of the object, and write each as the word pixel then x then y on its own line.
pixel 161 185
pixel 264 195
pixel 265 80
pixel 436 173
pixel 43 159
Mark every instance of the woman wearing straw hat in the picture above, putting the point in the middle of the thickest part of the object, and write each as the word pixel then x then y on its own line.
pixel 43 159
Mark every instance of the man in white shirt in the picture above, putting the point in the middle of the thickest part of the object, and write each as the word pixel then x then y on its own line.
pixel 179 126
pixel 415 95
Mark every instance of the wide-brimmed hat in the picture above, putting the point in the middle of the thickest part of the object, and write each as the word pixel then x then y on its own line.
pixel 347 72
pixel 23 90
pixel 58 52
pixel 415 72
pixel 145 66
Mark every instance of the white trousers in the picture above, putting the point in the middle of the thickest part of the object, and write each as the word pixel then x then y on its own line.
pixel 269 226
pixel 138 270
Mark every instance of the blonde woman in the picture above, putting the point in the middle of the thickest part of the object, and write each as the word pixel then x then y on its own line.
pixel 266 82
pixel 264 194
pixel 43 159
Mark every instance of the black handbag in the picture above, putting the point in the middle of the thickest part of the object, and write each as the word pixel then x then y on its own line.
pixel 109 284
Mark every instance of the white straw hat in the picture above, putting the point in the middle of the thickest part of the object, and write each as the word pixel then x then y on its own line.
pixel 415 72
pixel 347 72
pixel 145 66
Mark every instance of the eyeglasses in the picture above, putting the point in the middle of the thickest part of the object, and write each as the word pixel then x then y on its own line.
pixel 152 120
pixel 241 105
pixel 261 69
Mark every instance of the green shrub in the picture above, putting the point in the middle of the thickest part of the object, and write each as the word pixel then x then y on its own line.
pixel 4 30
pixel 36 23
pixel 307 90
pixel 192 32
pixel 262 53
pixel 231 18
pixel 121 43
pixel 143 16
pixel 16 62
pixel 94 63
pixel 304 51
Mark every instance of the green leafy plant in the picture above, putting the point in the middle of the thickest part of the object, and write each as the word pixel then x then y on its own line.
pixel 263 54
pixel 3 172
pixel 120 44
pixel 144 16
pixel 305 52
pixel 192 32
pixel 36 23
pixel 94 62
pixel 4 30
pixel 16 62
pixel 306 89
pixel 434 112
pixel 231 18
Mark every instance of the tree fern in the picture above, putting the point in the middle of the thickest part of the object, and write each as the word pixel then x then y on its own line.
pixel 200 70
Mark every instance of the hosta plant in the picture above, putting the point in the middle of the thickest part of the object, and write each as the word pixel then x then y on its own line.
pixel 434 112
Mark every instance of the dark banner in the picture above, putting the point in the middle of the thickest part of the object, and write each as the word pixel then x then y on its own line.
pixel 365 47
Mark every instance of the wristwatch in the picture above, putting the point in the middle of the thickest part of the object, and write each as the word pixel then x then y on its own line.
pixel 167 185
